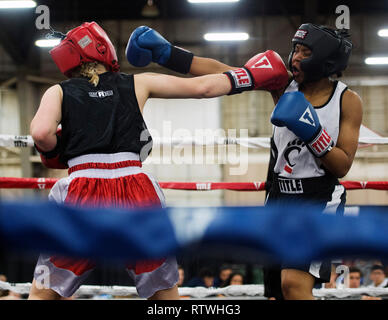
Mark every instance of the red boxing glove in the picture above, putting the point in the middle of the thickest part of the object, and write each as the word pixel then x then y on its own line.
pixel 265 70
pixel 50 159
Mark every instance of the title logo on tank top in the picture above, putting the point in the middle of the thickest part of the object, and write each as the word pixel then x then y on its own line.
pixel 101 94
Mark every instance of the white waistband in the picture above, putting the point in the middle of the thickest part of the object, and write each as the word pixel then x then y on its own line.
pixel 103 158
pixel 106 174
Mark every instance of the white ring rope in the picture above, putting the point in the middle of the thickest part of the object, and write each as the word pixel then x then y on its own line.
pixel 201 292
pixel 7 140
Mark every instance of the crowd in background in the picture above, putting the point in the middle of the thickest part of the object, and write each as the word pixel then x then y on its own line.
pixel 359 273
pixel 356 274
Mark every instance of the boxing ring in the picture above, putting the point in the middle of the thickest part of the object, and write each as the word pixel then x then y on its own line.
pixel 248 291
pixel 175 230
pixel 361 231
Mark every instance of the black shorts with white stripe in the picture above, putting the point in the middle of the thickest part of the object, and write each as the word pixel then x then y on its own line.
pixel 325 192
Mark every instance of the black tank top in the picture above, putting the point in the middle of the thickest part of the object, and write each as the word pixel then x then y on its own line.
pixel 102 119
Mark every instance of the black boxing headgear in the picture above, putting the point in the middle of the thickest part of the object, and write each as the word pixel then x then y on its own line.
pixel 330 51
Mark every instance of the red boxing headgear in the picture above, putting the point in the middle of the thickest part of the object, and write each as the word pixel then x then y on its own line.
pixel 86 43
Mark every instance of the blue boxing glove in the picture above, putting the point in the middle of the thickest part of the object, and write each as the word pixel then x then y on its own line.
pixel 146 45
pixel 136 54
pixel 298 115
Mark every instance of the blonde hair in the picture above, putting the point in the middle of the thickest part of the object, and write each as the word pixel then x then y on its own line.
pixel 89 70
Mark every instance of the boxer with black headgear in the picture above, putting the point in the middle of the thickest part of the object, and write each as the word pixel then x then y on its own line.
pixel 330 51
pixel 315 136
pixel 104 140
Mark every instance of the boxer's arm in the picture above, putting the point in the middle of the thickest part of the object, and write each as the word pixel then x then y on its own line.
pixel 339 160
pixel 152 85
pixel 44 125
pixel 201 66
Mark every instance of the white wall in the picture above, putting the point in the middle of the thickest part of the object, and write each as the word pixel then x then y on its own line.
pixel 174 118
pixel 9 112
pixel 9 124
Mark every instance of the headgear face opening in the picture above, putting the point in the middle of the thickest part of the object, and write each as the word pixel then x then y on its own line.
pixel 330 51
pixel 86 43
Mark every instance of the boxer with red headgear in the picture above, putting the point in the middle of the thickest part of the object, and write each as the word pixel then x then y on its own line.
pixel 103 142
pixel 86 43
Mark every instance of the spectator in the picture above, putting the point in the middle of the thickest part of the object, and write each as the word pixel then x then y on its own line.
pixel 181 279
pixel 204 279
pixel 377 275
pixel 225 272
pixel 235 278
pixel 365 267
pixel 355 276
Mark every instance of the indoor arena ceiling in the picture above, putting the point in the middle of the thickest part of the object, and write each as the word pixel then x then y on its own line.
pixel 18 31
pixel 177 9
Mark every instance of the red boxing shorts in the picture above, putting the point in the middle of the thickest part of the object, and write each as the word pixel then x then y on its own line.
pixel 106 180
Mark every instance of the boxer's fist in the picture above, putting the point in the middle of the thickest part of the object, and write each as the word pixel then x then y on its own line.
pixel 268 70
pixel 146 45
pixel 299 116
pixel 50 159
pixel 264 71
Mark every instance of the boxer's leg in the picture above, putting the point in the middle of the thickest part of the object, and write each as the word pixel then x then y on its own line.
pixel 56 277
pixel 42 293
pixel 297 285
pixel 156 280
pixel 166 294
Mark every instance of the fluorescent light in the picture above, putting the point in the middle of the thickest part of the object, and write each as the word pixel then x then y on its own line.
pixel 226 36
pixel 211 1
pixel 383 33
pixel 18 4
pixel 47 43
pixel 376 60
